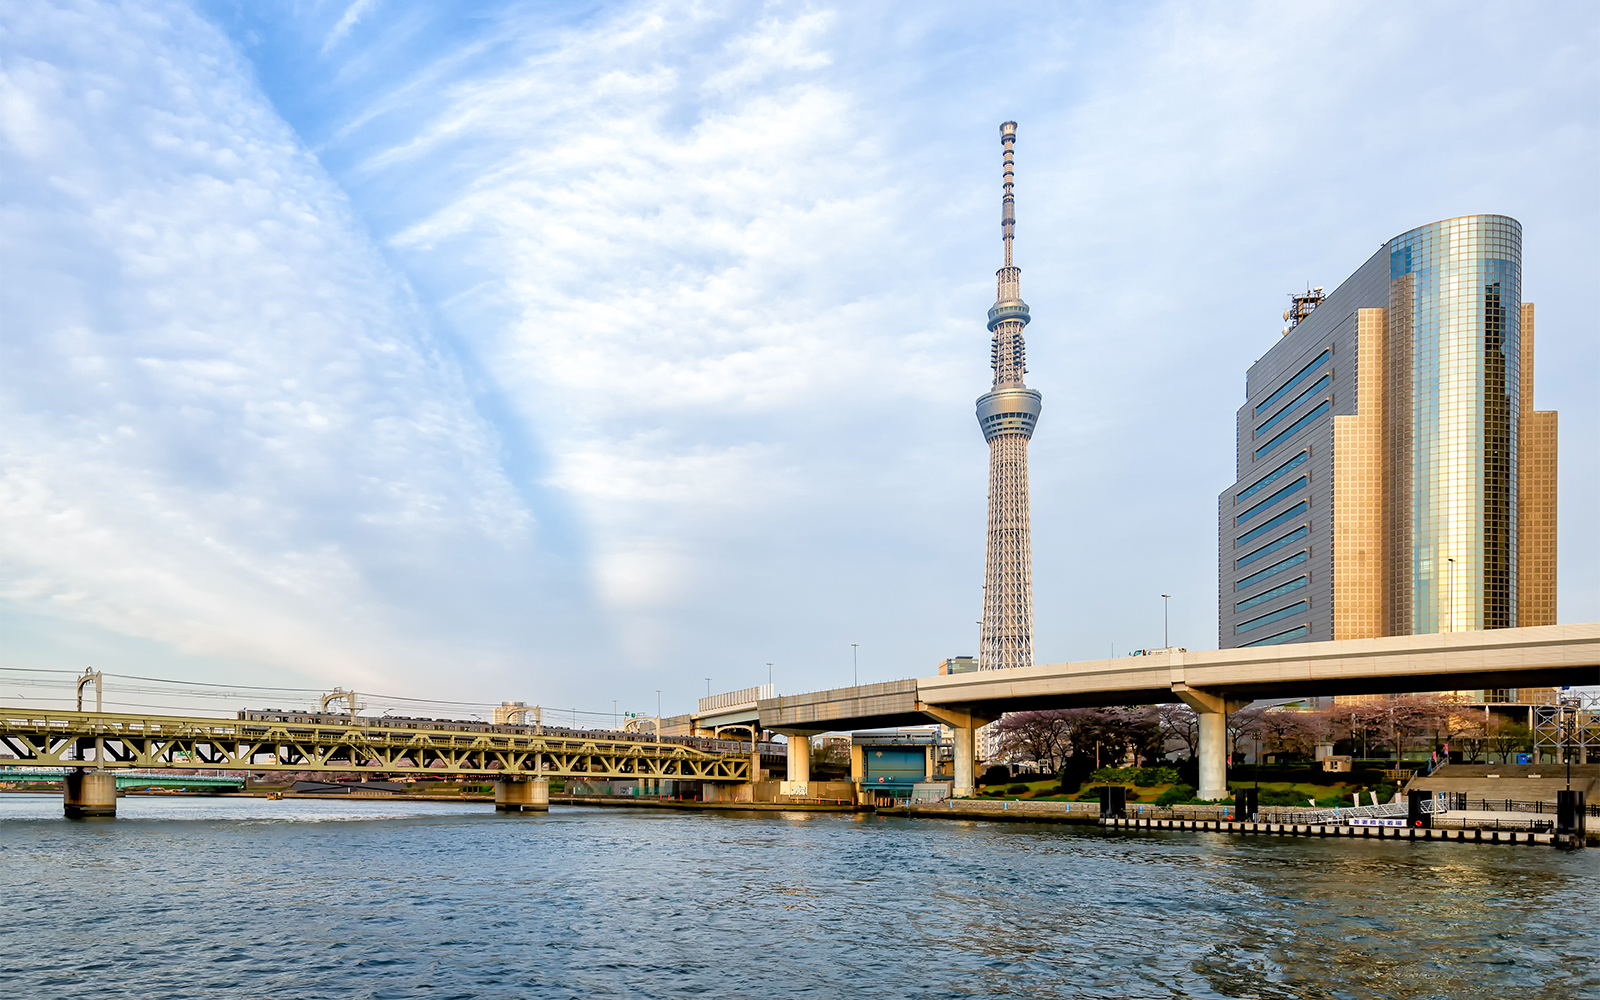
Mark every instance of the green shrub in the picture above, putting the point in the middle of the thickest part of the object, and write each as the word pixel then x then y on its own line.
pixel 1281 797
pixel 1114 775
pixel 1017 790
pixel 1175 795
pixel 1149 777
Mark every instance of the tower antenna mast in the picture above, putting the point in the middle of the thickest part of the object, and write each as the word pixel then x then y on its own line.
pixel 1007 415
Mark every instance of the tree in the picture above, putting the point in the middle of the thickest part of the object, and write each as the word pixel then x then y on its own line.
pixel 1507 737
pixel 1368 723
pixel 1042 737
pixel 1287 732
pixel 1244 731
pixel 1179 724
pixel 1110 735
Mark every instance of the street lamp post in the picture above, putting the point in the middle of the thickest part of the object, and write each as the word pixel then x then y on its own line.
pixel 1166 631
pixel 769 675
pixel 1452 592
pixel 658 715
pixel 855 666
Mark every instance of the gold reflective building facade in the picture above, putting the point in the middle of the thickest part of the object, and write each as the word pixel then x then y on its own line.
pixel 1394 478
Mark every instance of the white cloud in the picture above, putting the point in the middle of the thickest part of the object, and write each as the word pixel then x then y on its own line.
pixel 223 413
pixel 351 17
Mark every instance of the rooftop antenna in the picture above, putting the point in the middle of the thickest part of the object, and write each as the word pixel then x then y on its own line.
pixel 1300 306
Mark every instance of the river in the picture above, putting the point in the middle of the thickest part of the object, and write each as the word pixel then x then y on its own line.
pixel 249 898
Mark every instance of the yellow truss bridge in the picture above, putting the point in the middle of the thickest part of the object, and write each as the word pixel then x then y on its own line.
pixel 106 740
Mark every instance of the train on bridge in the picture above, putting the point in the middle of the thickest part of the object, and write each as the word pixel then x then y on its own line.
pixel 705 744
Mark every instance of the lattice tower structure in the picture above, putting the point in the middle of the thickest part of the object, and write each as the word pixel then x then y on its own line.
pixel 1007 414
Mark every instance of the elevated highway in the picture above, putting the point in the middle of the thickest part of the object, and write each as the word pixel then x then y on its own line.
pixel 1212 682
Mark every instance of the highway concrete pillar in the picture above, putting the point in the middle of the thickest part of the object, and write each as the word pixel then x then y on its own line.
pixel 1213 756
pixel 1213 711
pixel 800 757
pixel 966 720
pixel 89 793
pixel 522 795
pixel 966 747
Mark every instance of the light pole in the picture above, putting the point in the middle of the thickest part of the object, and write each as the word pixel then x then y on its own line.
pixel 658 715
pixel 708 687
pixel 855 666
pixel 769 675
pixel 1166 640
pixel 615 725
pixel 1451 590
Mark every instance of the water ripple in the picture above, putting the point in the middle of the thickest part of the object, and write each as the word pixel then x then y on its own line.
pixel 184 898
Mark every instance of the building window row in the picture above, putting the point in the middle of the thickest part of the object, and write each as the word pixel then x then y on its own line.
pixel 1283 414
pixel 1272 546
pixel 1275 568
pixel 1273 476
pixel 1258 531
pixel 1267 595
pixel 1300 376
pixel 1290 431
pixel 1273 616
pixel 1298 632
pixel 1267 504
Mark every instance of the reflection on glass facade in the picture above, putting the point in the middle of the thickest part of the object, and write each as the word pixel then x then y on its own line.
pixel 1455 297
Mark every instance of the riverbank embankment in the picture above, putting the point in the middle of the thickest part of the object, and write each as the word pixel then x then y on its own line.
pixel 640 802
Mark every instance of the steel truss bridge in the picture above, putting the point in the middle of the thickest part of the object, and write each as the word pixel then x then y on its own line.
pixel 48 738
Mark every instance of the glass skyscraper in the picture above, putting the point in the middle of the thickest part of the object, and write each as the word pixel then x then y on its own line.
pixel 1393 477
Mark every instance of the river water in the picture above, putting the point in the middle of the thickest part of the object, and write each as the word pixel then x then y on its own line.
pixel 249 898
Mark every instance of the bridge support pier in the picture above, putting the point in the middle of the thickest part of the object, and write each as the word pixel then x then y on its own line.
pixel 1213 711
pixel 799 758
pixel 522 795
pixel 966 721
pixel 89 793
pixel 966 750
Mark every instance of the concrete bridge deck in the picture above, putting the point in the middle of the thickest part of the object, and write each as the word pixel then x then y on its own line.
pixel 1213 683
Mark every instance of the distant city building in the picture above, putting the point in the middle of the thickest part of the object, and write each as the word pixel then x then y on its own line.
pixel 508 712
pixel 1393 477
pixel 1007 414
pixel 957 665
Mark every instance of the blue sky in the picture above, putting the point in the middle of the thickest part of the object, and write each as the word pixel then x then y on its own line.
pixel 570 352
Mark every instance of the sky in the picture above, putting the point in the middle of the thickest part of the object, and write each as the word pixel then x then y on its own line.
pixel 569 353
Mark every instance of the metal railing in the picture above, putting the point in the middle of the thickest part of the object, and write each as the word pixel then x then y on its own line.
pixel 743 696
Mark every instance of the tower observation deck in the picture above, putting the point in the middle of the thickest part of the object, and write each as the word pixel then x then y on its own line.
pixel 1007 414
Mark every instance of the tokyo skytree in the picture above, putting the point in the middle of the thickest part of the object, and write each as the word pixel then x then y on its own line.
pixel 1007 414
